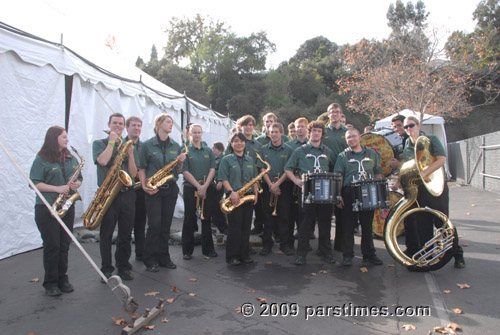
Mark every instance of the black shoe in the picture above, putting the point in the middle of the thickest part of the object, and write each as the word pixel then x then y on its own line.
pixel 265 251
pixel 169 265
pixel 53 292
pixel 459 263
pixel 256 231
pixel 66 288
pixel 252 251
pixel 234 261
pixel 300 260
pixel 153 268
pixel 373 260
pixel 288 251
pixel 211 254
pixel 107 275
pixel 328 259
pixel 125 275
pixel 347 261
pixel 187 257
pixel 247 260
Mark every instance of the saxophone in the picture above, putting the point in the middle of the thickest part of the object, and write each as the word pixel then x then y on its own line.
pixel 164 175
pixel 104 196
pixel 63 202
pixel 437 251
pixel 227 206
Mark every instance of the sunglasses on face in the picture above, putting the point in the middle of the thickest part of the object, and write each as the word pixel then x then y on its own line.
pixel 411 125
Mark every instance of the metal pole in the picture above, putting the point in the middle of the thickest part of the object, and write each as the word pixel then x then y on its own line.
pixel 483 142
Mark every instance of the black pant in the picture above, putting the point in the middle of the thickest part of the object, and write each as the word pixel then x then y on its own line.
pixel 140 222
pixel 55 245
pixel 121 211
pixel 160 208
pixel 190 220
pixel 281 222
pixel 238 236
pixel 259 214
pixel 323 214
pixel 337 244
pixel 349 220
pixel 219 218
pixel 419 227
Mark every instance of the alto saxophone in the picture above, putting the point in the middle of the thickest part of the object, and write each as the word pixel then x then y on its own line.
pixel 164 175
pixel 63 202
pixel 104 196
pixel 226 205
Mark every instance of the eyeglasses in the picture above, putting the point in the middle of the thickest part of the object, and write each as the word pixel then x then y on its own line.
pixel 411 125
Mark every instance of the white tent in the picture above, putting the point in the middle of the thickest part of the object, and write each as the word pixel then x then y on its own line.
pixel 44 84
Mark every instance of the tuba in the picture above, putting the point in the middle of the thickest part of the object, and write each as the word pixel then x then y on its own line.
pixel 437 251
pixel 115 179
pixel 63 202
pixel 227 206
pixel 164 175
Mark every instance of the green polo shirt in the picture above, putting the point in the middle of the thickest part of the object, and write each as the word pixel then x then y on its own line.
pixel 252 147
pixel 231 170
pixel 52 174
pixel 264 139
pixel 349 169
pixel 299 161
pixel 152 158
pixel 277 157
pixel 436 148
pixel 98 146
pixel 295 143
pixel 198 162
pixel 335 139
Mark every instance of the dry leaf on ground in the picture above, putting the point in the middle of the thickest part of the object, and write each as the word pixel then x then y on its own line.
pixel 120 321
pixel 174 289
pixel 409 327
pixel 35 280
pixel 391 265
pixel 363 269
pixel 465 244
pixel 446 291
pixel 153 294
pixel 263 300
pixel 164 320
pixel 193 279
pixel 323 272
pixel 313 274
pixel 238 310
pixel 463 285
pixel 171 300
pixel 457 311
pixel 453 326
pixel 251 291
pixel 192 294
pixel 269 263
pixel 150 327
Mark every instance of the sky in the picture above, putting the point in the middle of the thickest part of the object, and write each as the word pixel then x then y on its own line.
pixel 137 25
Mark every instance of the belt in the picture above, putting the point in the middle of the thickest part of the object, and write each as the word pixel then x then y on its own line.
pixel 165 186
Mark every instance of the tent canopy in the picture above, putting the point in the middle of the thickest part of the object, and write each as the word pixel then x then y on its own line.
pixel 44 84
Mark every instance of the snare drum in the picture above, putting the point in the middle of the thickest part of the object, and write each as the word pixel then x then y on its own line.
pixel 381 214
pixel 321 188
pixel 369 194
pixel 387 143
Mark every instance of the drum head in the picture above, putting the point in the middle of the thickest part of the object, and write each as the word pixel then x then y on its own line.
pixel 381 146
pixel 381 214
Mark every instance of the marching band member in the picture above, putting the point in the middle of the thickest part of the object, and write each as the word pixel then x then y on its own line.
pixel 122 209
pixel 51 172
pixel 268 120
pixel 157 152
pixel 276 153
pixel 199 167
pixel 291 131
pixel 218 218
pixel 349 171
pixel 322 212
pixel 335 140
pixel 419 227
pixel 236 170
pixel 134 128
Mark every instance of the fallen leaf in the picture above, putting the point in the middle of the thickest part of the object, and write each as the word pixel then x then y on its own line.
pixel 31 333
pixel 279 252
pixel 438 329
pixel 261 300
pixel 313 274
pixel 206 257
pixel 453 326
pixel 409 327
pixel 35 280
pixel 251 291
pixel 192 294
pixel 323 272
pixel 467 213
pixel 465 244
pixel 463 286
pixel 460 236
pixel 164 320
pixel 120 321
pixel 174 289
pixel 393 305
pixel 193 279
pixel 171 300
pixel 457 311
pixel 150 327
pixel 363 269
pixel 238 310
pixel 446 291
pixel 391 265
pixel 153 294
pixel 269 263
pixel 474 205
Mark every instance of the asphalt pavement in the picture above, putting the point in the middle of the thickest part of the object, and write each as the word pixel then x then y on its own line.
pixel 209 297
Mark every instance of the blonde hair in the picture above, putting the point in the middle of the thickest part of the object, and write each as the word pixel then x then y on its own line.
pixel 414 119
pixel 159 119
pixel 270 114
pixel 192 125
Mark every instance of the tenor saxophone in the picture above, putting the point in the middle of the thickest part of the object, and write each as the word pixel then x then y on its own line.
pixel 63 202
pixel 227 206
pixel 104 196
pixel 164 175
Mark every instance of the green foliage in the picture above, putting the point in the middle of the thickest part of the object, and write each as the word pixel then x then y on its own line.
pixel 405 19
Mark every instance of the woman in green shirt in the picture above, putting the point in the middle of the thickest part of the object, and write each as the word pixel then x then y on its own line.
pixel 51 173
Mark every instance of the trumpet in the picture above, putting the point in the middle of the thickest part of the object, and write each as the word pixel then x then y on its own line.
pixel 200 208
pixel 273 198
